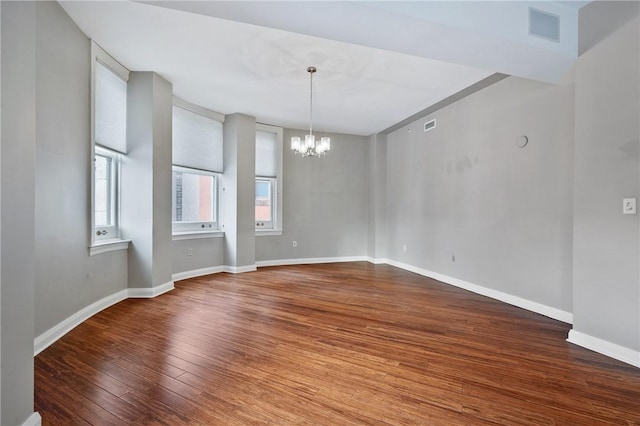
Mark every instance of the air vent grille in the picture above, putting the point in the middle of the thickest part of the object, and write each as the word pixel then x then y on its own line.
pixel 544 24
pixel 429 125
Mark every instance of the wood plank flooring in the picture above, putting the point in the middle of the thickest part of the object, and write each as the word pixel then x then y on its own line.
pixel 332 344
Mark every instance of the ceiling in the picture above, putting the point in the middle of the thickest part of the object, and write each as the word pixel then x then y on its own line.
pixel 378 62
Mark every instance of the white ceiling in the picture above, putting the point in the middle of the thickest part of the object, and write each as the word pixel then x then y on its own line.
pixel 378 62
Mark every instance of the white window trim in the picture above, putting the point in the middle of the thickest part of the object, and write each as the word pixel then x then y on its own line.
pixel 277 224
pixel 271 225
pixel 268 232
pixel 106 246
pixel 98 54
pixel 112 231
pixel 196 235
pixel 200 229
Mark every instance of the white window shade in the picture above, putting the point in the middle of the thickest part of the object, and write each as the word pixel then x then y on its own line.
pixel 266 154
pixel 197 141
pixel 110 109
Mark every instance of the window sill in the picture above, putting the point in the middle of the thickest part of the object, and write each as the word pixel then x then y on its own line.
pixel 194 235
pixel 268 232
pixel 105 246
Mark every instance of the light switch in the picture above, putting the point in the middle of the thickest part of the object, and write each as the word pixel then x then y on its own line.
pixel 629 206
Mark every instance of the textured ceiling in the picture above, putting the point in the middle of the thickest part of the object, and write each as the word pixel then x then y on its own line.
pixel 373 71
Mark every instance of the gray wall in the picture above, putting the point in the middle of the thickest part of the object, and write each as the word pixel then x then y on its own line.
pixel 19 23
pixel 599 19
pixel 325 202
pixel 67 279
pixel 0 216
pixel 377 224
pixel 146 177
pixel 205 253
pixel 238 190
pixel 466 190
pixel 606 242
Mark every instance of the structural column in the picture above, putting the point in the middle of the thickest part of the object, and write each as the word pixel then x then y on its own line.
pixel 238 193
pixel 18 210
pixel 377 166
pixel 146 182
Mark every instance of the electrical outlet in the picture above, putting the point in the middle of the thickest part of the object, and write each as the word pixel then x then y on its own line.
pixel 404 247
pixel 453 257
pixel 629 206
pixel 295 244
pixel 189 252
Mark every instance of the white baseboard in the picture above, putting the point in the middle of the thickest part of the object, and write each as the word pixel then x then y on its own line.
pixel 605 347
pixel 147 293
pixel 311 260
pixel 197 273
pixel 377 260
pixel 47 338
pixel 239 269
pixel 262 263
pixel 536 307
pixel 494 294
pixel 33 420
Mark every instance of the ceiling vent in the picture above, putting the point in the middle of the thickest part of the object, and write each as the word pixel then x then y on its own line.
pixel 544 24
pixel 429 125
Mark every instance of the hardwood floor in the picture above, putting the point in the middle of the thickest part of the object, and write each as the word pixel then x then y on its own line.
pixel 332 344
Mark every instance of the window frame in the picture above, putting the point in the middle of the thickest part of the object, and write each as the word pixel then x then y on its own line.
pixel 107 232
pixel 277 180
pixel 101 242
pixel 195 230
pixel 273 196
pixel 196 227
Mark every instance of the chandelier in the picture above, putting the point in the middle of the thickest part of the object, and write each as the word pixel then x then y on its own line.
pixel 310 148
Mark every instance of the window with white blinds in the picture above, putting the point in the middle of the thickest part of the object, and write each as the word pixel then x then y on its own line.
pixel 268 190
pixel 110 109
pixel 197 141
pixel 109 145
pixel 266 154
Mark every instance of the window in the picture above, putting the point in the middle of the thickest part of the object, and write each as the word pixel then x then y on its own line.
pixel 268 201
pixel 194 196
pixel 264 203
pixel 105 193
pixel 109 137
pixel 197 158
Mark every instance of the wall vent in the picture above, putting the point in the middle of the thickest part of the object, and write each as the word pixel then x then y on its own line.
pixel 544 24
pixel 431 124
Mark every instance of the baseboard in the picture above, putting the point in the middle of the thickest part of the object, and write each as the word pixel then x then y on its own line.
pixel 377 260
pixel 494 294
pixel 539 308
pixel 197 273
pixel 47 338
pixel 262 263
pixel 605 347
pixel 50 336
pixel 33 420
pixel 310 260
pixel 239 269
pixel 147 293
